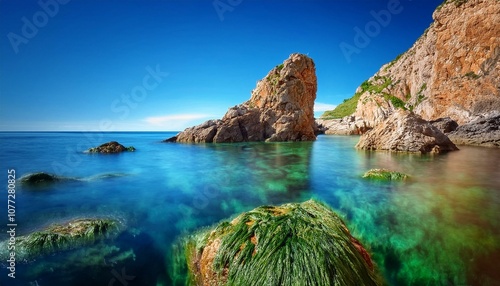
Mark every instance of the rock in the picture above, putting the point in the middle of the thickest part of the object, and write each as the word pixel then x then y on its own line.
pixel 445 125
pixel 39 179
pixel 405 131
pixel 64 236
pixel 452 70
pixel 481 132
pixel 280 109
pixel 293 244
pixel 348 125
pixel 385 175
pixel 111 147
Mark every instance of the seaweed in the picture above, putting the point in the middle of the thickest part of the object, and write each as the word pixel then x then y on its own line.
pixel 294 244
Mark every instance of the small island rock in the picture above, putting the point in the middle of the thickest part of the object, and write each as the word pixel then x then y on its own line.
pixel 111 147
pixel 404 131
pixel 293 244
pixel 280 109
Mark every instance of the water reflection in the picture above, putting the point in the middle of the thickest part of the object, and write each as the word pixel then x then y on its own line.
pixel 439 228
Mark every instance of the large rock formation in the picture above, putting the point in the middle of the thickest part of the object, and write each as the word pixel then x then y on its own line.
pixel 480 132
pixel 293 244
pixel 405 131
pixel 280 109
pixel 453 70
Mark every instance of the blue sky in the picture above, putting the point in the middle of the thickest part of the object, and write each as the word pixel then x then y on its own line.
pixel 165 65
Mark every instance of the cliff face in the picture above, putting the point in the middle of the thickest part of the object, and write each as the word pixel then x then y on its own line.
pixel 453 69
pixel 280 109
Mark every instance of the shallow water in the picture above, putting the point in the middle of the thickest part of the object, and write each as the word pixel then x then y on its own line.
pixel 439 228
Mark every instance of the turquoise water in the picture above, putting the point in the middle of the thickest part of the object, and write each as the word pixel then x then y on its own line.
pixel 442 227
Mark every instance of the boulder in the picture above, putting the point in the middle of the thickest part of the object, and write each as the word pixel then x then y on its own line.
pixel 39 179
pixel 445 125
pixel 385 175
pixel 66 236
pixel 293 244
pixel 348 125
pixel 280 109
pixel 481 132
pixel 111 147
pixel 404 131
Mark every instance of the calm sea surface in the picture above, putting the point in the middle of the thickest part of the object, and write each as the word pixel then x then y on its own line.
pixel 442 227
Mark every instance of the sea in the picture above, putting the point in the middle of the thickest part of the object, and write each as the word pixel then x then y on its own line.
pixel 439 227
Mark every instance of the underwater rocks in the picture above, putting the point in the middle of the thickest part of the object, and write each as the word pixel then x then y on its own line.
pixel 405 131
pixel 65 236
pixel 293 244
pixel 40 179
pixel 385 175
pixel 280 109
pixel 111 147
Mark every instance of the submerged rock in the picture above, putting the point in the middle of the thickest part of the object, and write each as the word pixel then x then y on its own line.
pixel 111 147
pixel 40 179
pixel 384 174
pixel 280 109
pixel 65 236
pixel 405 131
pixel 293 244
pixel 481 132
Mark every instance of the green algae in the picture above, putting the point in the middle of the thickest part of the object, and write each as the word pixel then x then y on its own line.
pixel 385 175
pixel 66 236
pixel 294 244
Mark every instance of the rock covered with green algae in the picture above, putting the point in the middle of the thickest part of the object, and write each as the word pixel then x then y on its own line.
pixel 41 179
pixel 385 175
pixel 293 244
pixel 111 147
pixel 65 236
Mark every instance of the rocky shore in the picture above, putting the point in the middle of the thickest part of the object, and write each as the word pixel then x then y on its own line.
pixel 452 71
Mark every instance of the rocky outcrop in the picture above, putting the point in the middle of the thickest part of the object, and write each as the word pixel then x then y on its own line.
pixel 405 131
pixel 480 132
pixel 293 244
pixel 453 70
pixel 280 109
pixel 349 125
pixel 111 147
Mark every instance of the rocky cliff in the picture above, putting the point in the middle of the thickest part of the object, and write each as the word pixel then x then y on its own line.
pixel 453 70
pixel 280 109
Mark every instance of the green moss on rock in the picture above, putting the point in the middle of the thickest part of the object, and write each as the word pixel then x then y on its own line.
pixel 39 178
pixel 293 244
pixel 66 236
pixel 384 174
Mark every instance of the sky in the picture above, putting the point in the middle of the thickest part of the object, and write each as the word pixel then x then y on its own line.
pixel 164 65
